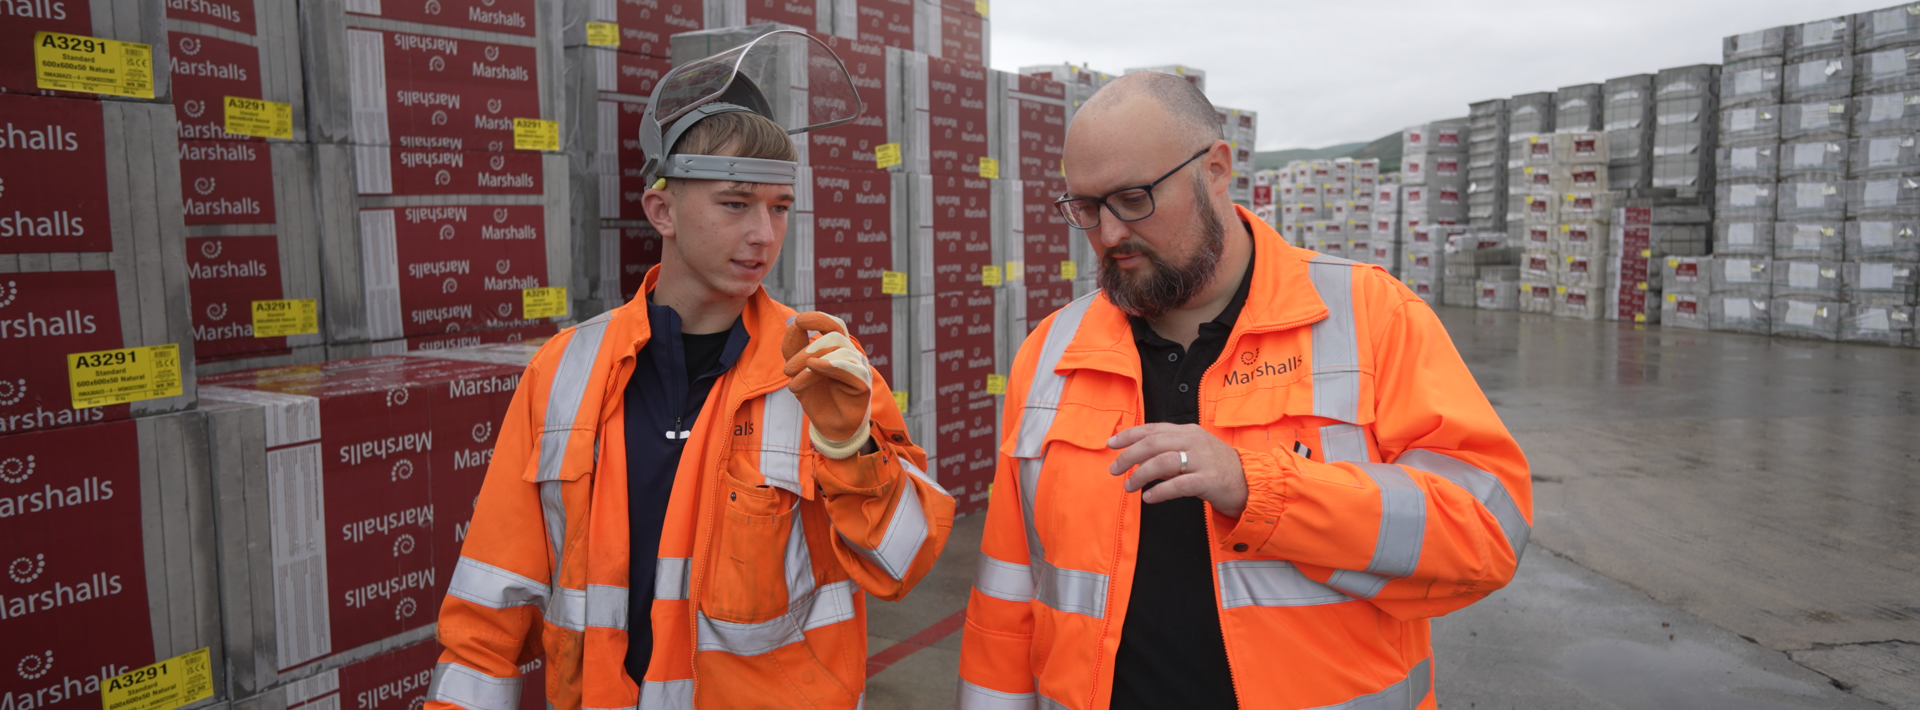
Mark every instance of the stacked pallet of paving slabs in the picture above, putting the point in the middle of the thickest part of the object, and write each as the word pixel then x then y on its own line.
pixel 1241 128
pixel 1387 233
pixel 1529 116
pixel 1362 198
pixel 1578 108
pixel 1583 238
pixel 1038 245
pixel 393 680
pixel 1686 291
pixel 1628 119
pixel 608 77
pixel 1467 256
pixel 955 30
pixel 1486 164
pixel 1686 104
pixel 91 221
pixel 1262 202
pixel 106 533
pixel 344 492
pixel 412 118
pixel 252 228
pixel 1883 186
pixel 1422 265
pixel 1336 203
pixel 1649 226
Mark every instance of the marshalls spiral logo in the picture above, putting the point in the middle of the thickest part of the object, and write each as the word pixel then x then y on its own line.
pixel 11 392
pixel 494 106
pixel 493 53
pixel 482 432
pixel 404 545
pixel 195 108
pixel 189 46
pixel 503 266
pixel 446 232
pixel 7 294
pixel 217 311
pixel 34 665
pixel 506 310
pixel 420 701
pixel 210 249
pixel 396 396
pixel 498 162
pixel 433 7
pixel 437 64
pixel 443 178
pixel 499 213
pixel 439 118
pixel 402 470
pixel 449 285
pixel 405 608
pixel 203 185
pixel 15 469
pixel 25 570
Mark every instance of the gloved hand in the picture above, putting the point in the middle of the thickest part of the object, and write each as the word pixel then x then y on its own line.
pixel 832 380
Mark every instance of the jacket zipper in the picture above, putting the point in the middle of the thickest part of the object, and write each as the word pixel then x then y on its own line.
pixel 1233 674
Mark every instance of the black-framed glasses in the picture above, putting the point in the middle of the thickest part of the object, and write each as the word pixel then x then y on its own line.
pixel 1130 204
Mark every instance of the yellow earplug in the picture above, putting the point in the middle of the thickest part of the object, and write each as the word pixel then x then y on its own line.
pixel 660 184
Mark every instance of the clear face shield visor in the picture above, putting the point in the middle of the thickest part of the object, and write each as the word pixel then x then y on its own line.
pixel 784 75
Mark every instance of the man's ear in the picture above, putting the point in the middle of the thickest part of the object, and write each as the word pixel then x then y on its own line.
pixel 659 204
pixel 1219 167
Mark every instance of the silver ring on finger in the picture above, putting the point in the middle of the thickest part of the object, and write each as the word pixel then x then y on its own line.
pixel 1183 462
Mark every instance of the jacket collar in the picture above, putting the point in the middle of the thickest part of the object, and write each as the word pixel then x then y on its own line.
pixel 1282 297
pixel 759 368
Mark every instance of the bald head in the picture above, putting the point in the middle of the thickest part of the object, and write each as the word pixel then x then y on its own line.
pixel 1184 111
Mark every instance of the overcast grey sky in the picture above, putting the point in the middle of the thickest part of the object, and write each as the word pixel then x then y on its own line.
pixel 1326 72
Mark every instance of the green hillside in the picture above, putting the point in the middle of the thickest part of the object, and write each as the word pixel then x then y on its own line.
pixel 1386 148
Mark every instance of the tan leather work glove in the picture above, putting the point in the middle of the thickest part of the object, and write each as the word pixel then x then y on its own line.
pixel 833 382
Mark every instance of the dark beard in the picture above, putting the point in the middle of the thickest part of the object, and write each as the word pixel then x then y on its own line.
pixel 1166 287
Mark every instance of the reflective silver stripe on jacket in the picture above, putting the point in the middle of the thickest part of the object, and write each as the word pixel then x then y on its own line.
pixel 1271 583
pixel 666 695
pixel 1059 588
pixel 493 587
pixel 1003 580
pixel 1403 525
pixel 1486 487
pixel 671 576
pixel 906 532
pixel 1405 694
pixel 564 394
pixel 1336 342
pixel 782 432
pixel 973 697
pixel 471 689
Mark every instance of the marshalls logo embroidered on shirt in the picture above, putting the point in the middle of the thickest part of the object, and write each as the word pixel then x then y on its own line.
pixel 14 469
pixel 34 665
pixel 1247 357
pixel 25 570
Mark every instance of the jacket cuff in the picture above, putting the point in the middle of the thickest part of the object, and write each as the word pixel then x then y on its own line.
pixel 859 474
pixel 1268 484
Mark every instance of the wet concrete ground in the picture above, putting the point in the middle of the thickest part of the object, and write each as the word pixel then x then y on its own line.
pixel 1757 499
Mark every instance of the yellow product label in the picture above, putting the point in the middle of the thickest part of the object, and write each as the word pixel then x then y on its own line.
pixel 273 319
pixel 258 117
pixel 1639 317
pixel 1837 108
pixel 603 34
pixel 92 65
pixel 1569 259
pixel 543 302
pixel 1566 228
pixel 535 134
pixel 1016 270
pixel 1646 253
pixel 1526 171
pixel 989 168
pixel 177 681
pixel 980 6
pixel 1829 190
pixel 996 384
pixel 1826 231
pixel 1673 298
pixel 1570 197
pixel 1529 199
pixel 900 400
pixel 126 375
pixel 1673 262
pixel 893 283
pixel 1533 139
pixel 887 155
pixel 1069 270
pixel 1641 286
pixel 990 275
pixel 1562 289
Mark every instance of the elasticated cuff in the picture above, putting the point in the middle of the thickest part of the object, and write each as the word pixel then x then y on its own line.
pixel 1268 483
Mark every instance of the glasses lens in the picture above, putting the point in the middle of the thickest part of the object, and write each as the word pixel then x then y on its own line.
pixel 1132 204
pixel 1082 213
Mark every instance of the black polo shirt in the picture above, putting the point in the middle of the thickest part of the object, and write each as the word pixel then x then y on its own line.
pixel 1171 652
pixel 672 376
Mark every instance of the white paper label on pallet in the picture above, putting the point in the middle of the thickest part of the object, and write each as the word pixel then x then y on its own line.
pixel 1892 62
pixel 1818 33
pixel 1747 82
pixel 1738 270
pixel 1800 313
pixel 367 86
pixel 1749 41
pixel 1737 308
pixel 1886 107
pixel 1743 119
pixel 1882 152
pixel 1745 195
pixel 1876 234
pixel 1806 237
pixel 1809 155
pixel 1803 274
pixel 1889 22
pixel 1740 234
pixel 1810 195
pixel 297 514
pixel 1882 193
pixel 1873 320
pixel 1876 277
pixel 1745 158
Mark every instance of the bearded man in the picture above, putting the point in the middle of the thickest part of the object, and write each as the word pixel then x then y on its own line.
pixel 1241 474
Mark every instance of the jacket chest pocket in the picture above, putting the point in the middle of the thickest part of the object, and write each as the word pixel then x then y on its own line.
pixel 754 550
pixel 1075 470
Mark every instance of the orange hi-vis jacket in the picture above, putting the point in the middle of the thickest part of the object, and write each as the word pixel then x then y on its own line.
pixel 1382 491
pixel 766 546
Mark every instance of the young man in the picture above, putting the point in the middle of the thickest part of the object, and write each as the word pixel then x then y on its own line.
pixel 689 493
pixel 1241 474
